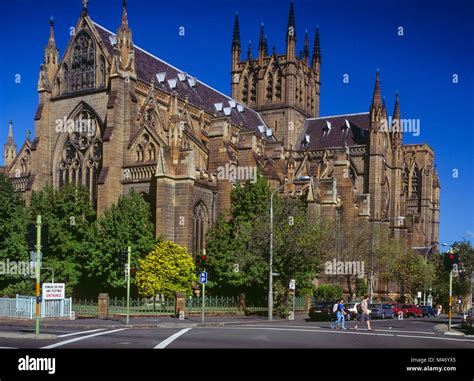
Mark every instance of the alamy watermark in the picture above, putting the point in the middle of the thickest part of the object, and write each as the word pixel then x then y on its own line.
pixel 80 125
pixel 345 268
pixel 22 268
pixel 403 125
pixel 234 173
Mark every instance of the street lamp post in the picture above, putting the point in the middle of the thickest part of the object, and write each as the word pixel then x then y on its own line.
pixel 270 273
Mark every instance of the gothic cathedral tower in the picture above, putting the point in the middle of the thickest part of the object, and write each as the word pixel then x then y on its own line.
pixel 283 88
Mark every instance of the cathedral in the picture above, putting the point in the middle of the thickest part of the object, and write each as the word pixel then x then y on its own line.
pixel 112 116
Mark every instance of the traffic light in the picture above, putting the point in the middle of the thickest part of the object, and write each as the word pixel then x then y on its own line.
pixel 451 259
pixel 123 258
pixel 202 261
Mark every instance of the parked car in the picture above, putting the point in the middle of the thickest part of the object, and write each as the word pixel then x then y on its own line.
pixel 351 309
pixel 381 310
pixel 412 310
pixel 321 311
pixel 428 311
pixel 397 308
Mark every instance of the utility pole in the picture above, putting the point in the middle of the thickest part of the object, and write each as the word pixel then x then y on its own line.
pixel 372 267
pixel 129 252
pixel 38 275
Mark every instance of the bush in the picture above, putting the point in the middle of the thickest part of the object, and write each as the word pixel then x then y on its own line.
pixel 328 292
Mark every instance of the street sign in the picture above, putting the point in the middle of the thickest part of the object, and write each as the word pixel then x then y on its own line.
pixel 203 277
pixel 54 291
pixel 419 294
pixel 292 284
pixel 33 256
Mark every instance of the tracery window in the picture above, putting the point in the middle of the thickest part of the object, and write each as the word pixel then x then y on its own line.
pixel 415 183
pixel 405 180
pixel 245 90
pixel 82 71
pixel 81 158
pixel 270 87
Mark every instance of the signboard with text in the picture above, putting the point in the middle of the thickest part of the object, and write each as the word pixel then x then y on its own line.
pixel 54 291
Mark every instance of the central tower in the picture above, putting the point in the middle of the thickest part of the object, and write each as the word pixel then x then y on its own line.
pixel 283 88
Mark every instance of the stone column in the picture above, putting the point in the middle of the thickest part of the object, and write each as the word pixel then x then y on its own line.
pixel 242 304
pixel 103 306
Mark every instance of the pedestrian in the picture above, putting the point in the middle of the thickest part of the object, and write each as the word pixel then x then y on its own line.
pixel 439 308
pixel 340 312
pixel 364 314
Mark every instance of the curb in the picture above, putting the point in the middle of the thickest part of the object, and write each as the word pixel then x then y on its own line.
pixel 443 329
pixel 148 326
pixel 14 335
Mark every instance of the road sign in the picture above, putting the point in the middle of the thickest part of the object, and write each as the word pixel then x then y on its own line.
pixel 419 294
pixel 203 277
pixel 292 284
pixel 54 291
pixel 33 256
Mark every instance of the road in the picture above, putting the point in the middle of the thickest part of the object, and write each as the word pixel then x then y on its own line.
pixel 389 334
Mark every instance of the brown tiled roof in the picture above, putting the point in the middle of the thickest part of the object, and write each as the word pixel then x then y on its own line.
pixel 201 95
pixel 338 135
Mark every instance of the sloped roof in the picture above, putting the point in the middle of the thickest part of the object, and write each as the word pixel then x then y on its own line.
pixel 201 95
pixel 322 137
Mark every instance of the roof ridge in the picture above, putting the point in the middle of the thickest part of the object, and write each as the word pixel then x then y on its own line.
pixel 178 70
pixel 335 116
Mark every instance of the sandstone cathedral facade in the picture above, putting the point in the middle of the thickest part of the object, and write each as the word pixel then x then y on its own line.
pixel 112 117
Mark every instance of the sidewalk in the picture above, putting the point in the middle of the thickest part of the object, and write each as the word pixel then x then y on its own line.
pixel 151 322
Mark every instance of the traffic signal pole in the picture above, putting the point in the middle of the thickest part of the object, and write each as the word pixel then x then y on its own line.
pixel 38 269
pixel 450 311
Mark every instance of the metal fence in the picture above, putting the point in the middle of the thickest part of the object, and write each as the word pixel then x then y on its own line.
pixel 24 307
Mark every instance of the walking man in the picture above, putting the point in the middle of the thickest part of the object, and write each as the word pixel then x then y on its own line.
pixel 364 314
pixel 340 312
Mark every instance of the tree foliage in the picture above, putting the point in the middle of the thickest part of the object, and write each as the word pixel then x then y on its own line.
pixel 167 269
pixel 328 293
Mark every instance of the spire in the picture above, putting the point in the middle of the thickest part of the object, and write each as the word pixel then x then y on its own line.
pixel 377 98
pixel 10 133
pixel 396 111
pixel 249 51
pixel 261 43
pixel 291 32
pixel 236 34
pixel 316 48
pixel 124 13
pixel 265 47
pixel 306 47
pixel 84 6
pixel 51 41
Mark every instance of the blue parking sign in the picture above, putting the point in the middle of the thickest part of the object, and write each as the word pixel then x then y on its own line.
pixel 203 277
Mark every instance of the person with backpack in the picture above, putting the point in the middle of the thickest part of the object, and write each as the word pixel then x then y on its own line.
pixel 340 312
pixel 363 313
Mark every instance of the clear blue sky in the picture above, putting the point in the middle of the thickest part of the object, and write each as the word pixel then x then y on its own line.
pixel 357 37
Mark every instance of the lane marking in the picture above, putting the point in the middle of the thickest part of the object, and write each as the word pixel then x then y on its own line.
pixel 348 333
pixel 360 329
pixel 61 343
pixel 8 348
pixel 80 333
pixel 172 338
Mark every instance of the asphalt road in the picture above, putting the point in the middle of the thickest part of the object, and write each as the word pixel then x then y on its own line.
pixel 390 334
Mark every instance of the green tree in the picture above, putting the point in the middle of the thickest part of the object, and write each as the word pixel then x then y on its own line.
pixel 70 221
pixel 167 269
pixel 126 223
pixel 13 232
pixel 328 293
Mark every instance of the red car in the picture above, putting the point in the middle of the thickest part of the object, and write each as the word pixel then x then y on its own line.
pixel 397 308
pixel 412 310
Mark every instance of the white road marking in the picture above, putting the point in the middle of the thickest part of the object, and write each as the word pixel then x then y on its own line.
pixel 348 333
pixel 360 329
pixel 172 338
pixel 80 333
pixel 8 348
pixel 61 343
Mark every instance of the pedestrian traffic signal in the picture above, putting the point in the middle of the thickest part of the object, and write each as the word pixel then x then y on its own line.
pixel 451 259
pixel 123 258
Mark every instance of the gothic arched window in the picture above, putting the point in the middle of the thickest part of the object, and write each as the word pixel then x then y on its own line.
pixel 151 152
pixel 82 70
pixel 253 91
pixel 245 90
pixel 81 158
pixel 415 183
pixel 405 180
pixel 139 153
pixel 200 228
pixel 270 87
pixel 278 85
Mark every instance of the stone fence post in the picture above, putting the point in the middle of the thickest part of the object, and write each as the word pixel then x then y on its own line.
pixel 103 306
pixel 242 304
pixel 180 304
